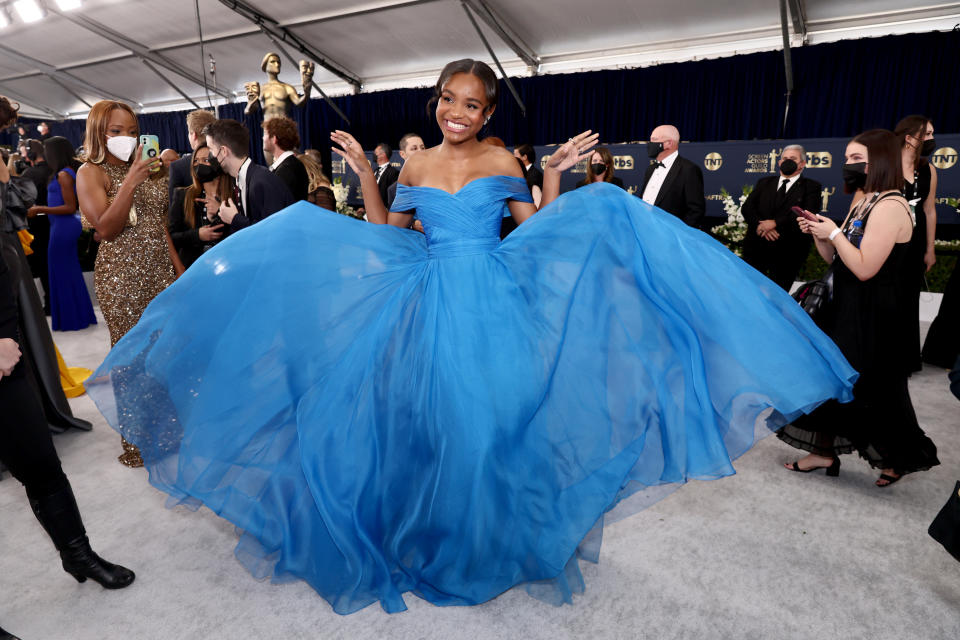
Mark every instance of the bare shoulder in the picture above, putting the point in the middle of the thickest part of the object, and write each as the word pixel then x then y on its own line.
pixel 92 173
pixel 417 166
pixel 893 212
pixel 502 162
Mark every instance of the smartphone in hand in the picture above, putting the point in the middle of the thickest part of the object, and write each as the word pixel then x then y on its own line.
pixel 151 149
pixel 803 213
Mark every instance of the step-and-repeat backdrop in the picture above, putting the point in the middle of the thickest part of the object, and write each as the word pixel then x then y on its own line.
pixel 731 166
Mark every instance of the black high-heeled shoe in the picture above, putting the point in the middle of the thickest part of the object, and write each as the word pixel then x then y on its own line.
pixel 60 518
pixel 889 480
pixel 833 470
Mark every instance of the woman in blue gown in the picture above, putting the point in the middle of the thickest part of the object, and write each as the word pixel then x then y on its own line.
pixel 70 305
pixel 444 413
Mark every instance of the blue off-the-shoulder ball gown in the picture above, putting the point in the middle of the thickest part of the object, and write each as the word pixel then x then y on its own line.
pixel 383 411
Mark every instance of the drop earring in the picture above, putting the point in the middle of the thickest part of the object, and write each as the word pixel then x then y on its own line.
pixel 486 120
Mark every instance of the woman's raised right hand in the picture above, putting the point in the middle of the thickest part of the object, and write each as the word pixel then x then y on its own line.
pixel 140 170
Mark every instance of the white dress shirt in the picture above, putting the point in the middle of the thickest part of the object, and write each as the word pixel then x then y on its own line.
pixel 280 158
pixel 656 179
pixel 242 183
pixel 790 182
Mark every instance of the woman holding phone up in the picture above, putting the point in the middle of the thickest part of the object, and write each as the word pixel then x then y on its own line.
pixel 124 197
pixel 869 253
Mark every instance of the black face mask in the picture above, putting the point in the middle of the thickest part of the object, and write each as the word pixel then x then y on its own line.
pixel 855 175
pixel 928 147
pixel 214 164
pixel 654 149
pixel 598 168
pixel 788 167
pixel 207 173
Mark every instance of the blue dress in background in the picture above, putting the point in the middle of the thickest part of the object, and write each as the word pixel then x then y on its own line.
pixel 383 411
pixel 70 305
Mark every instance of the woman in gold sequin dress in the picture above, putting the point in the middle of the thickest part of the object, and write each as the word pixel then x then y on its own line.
pixel 126 202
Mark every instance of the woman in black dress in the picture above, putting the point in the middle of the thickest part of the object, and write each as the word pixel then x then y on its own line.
pixel 869 254
pixel 920 190
pixel 600 169
pixel 193 223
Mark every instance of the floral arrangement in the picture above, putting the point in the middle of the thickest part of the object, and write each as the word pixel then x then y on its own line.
pixel 734 230
pixel 341 192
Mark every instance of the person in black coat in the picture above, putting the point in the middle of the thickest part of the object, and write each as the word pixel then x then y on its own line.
pixel 385 173
pixel 280 141
pixel 672 182
pixel 180 175
pixel 774 244
pixel 528 156
pixel 26 447
pixel 38 172
pixel 259 192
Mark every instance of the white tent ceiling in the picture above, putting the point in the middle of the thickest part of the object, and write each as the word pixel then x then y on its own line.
pixel 143 51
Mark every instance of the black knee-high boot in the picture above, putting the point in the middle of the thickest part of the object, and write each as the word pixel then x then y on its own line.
pixel 60 517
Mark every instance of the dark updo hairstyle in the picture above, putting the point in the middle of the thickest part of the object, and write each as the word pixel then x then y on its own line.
pixel 884 162
pixel 491 86
pixel 916 126
pixel 8 113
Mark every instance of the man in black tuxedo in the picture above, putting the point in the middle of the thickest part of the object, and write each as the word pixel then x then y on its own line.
pixel 774 244
pixel 180 169
pixel 280 141
pixel 259 193
pixel 410 144
pixel 671 182
pixel 385 173
pixel 528 156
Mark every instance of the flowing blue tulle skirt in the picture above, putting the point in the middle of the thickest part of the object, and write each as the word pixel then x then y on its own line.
pixel 379 419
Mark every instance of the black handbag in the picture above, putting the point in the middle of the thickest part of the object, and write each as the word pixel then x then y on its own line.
pixel 816 296
pixel 945 528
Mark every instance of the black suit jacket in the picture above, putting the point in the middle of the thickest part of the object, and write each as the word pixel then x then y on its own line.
pixel 387 178
pixel 294 175
pixel 682 191
pixel 762 204
pixel 534 177
pixel 39 175
pixel 179 176
pixel 266 194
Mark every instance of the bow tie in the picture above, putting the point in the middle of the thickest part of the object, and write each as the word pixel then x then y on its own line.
pixel 658 164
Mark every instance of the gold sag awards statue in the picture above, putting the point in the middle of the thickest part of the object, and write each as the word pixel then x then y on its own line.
pixel 277 98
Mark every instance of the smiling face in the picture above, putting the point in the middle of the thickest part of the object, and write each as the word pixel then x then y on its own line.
pixel 462 108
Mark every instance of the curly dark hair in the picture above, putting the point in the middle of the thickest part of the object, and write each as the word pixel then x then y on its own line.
pixel 285 131
pixel 8 113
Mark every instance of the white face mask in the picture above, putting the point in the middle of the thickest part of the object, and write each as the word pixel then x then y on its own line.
pixel 122 146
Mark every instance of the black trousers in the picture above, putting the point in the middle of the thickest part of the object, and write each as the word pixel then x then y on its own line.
pixel 779 260
pixel 26 447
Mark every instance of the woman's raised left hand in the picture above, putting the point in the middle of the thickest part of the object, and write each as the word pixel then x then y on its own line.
pixel 352 151
pixel 573 151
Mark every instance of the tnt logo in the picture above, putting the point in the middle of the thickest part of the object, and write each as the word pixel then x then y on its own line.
pixel 624 163
pixel 944 157
pixel 819 159
pixel 713 161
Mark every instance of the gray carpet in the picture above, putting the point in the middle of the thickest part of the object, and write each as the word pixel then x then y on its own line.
pixel 763 554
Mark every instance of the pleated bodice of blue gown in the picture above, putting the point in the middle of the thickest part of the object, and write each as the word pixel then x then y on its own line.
pixel 383 411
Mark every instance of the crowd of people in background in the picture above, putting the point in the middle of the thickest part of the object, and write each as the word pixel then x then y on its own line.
pixel 155 217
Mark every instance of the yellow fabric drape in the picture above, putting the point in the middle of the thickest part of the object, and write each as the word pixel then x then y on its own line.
pixel 26 238
pixel 71 378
